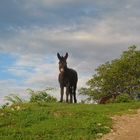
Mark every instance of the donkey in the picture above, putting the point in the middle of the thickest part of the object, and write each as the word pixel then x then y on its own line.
pixel 67 78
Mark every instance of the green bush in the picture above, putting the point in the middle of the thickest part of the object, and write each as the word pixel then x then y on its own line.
pixel 41 96
pixel 123 98
pixel 14 99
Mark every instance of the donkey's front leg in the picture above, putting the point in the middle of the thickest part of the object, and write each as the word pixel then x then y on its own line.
pixel 62 93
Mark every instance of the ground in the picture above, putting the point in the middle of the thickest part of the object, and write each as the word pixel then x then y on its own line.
pixel 62 121
pixel 126 127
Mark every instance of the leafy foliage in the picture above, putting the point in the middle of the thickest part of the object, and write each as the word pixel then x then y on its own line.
pixel 14 99
pixel 123 98
pixel 119 76
pixel 41 96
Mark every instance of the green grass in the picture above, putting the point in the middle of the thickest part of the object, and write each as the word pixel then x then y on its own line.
pixel 59 121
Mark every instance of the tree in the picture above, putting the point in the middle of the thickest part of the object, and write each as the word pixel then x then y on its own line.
pixel 117 77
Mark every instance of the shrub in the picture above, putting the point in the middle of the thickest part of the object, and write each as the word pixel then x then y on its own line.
pixel 5 105
pixel 14 99
pixel 41 96
pixel 123 98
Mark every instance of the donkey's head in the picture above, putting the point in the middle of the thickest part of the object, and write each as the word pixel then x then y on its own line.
pixel 62 62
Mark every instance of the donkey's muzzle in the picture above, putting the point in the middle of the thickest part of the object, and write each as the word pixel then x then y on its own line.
pixel 61 70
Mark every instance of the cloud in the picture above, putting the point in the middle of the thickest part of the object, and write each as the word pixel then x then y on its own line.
pixel 33 47
pixel 11 86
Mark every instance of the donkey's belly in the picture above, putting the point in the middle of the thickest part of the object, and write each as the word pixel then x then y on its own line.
pixel 67 79
pixel 64 84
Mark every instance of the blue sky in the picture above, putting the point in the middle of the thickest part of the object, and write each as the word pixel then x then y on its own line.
pixel 33 31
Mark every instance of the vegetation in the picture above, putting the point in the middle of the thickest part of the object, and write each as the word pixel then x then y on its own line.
pixel 123 98
pixel 59 121
pixel 120 76
pixel 35 96
pixel 13 98
pixel 41 96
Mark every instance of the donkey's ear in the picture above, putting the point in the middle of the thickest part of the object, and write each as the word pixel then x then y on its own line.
pixel 66 56
pixel 58 55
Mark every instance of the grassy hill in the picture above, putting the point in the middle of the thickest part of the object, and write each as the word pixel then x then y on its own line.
pixel 59 121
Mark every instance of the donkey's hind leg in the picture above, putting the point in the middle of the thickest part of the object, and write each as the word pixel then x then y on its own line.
pixel 74 94
pixel 71 94
pixel 67 94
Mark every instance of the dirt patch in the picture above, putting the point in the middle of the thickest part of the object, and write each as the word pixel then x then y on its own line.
pixel 126 127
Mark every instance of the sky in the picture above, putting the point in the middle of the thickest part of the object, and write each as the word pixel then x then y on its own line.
pixel 33 31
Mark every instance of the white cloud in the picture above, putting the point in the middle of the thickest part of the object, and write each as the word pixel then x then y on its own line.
pixel 11 86
pixel 34 46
